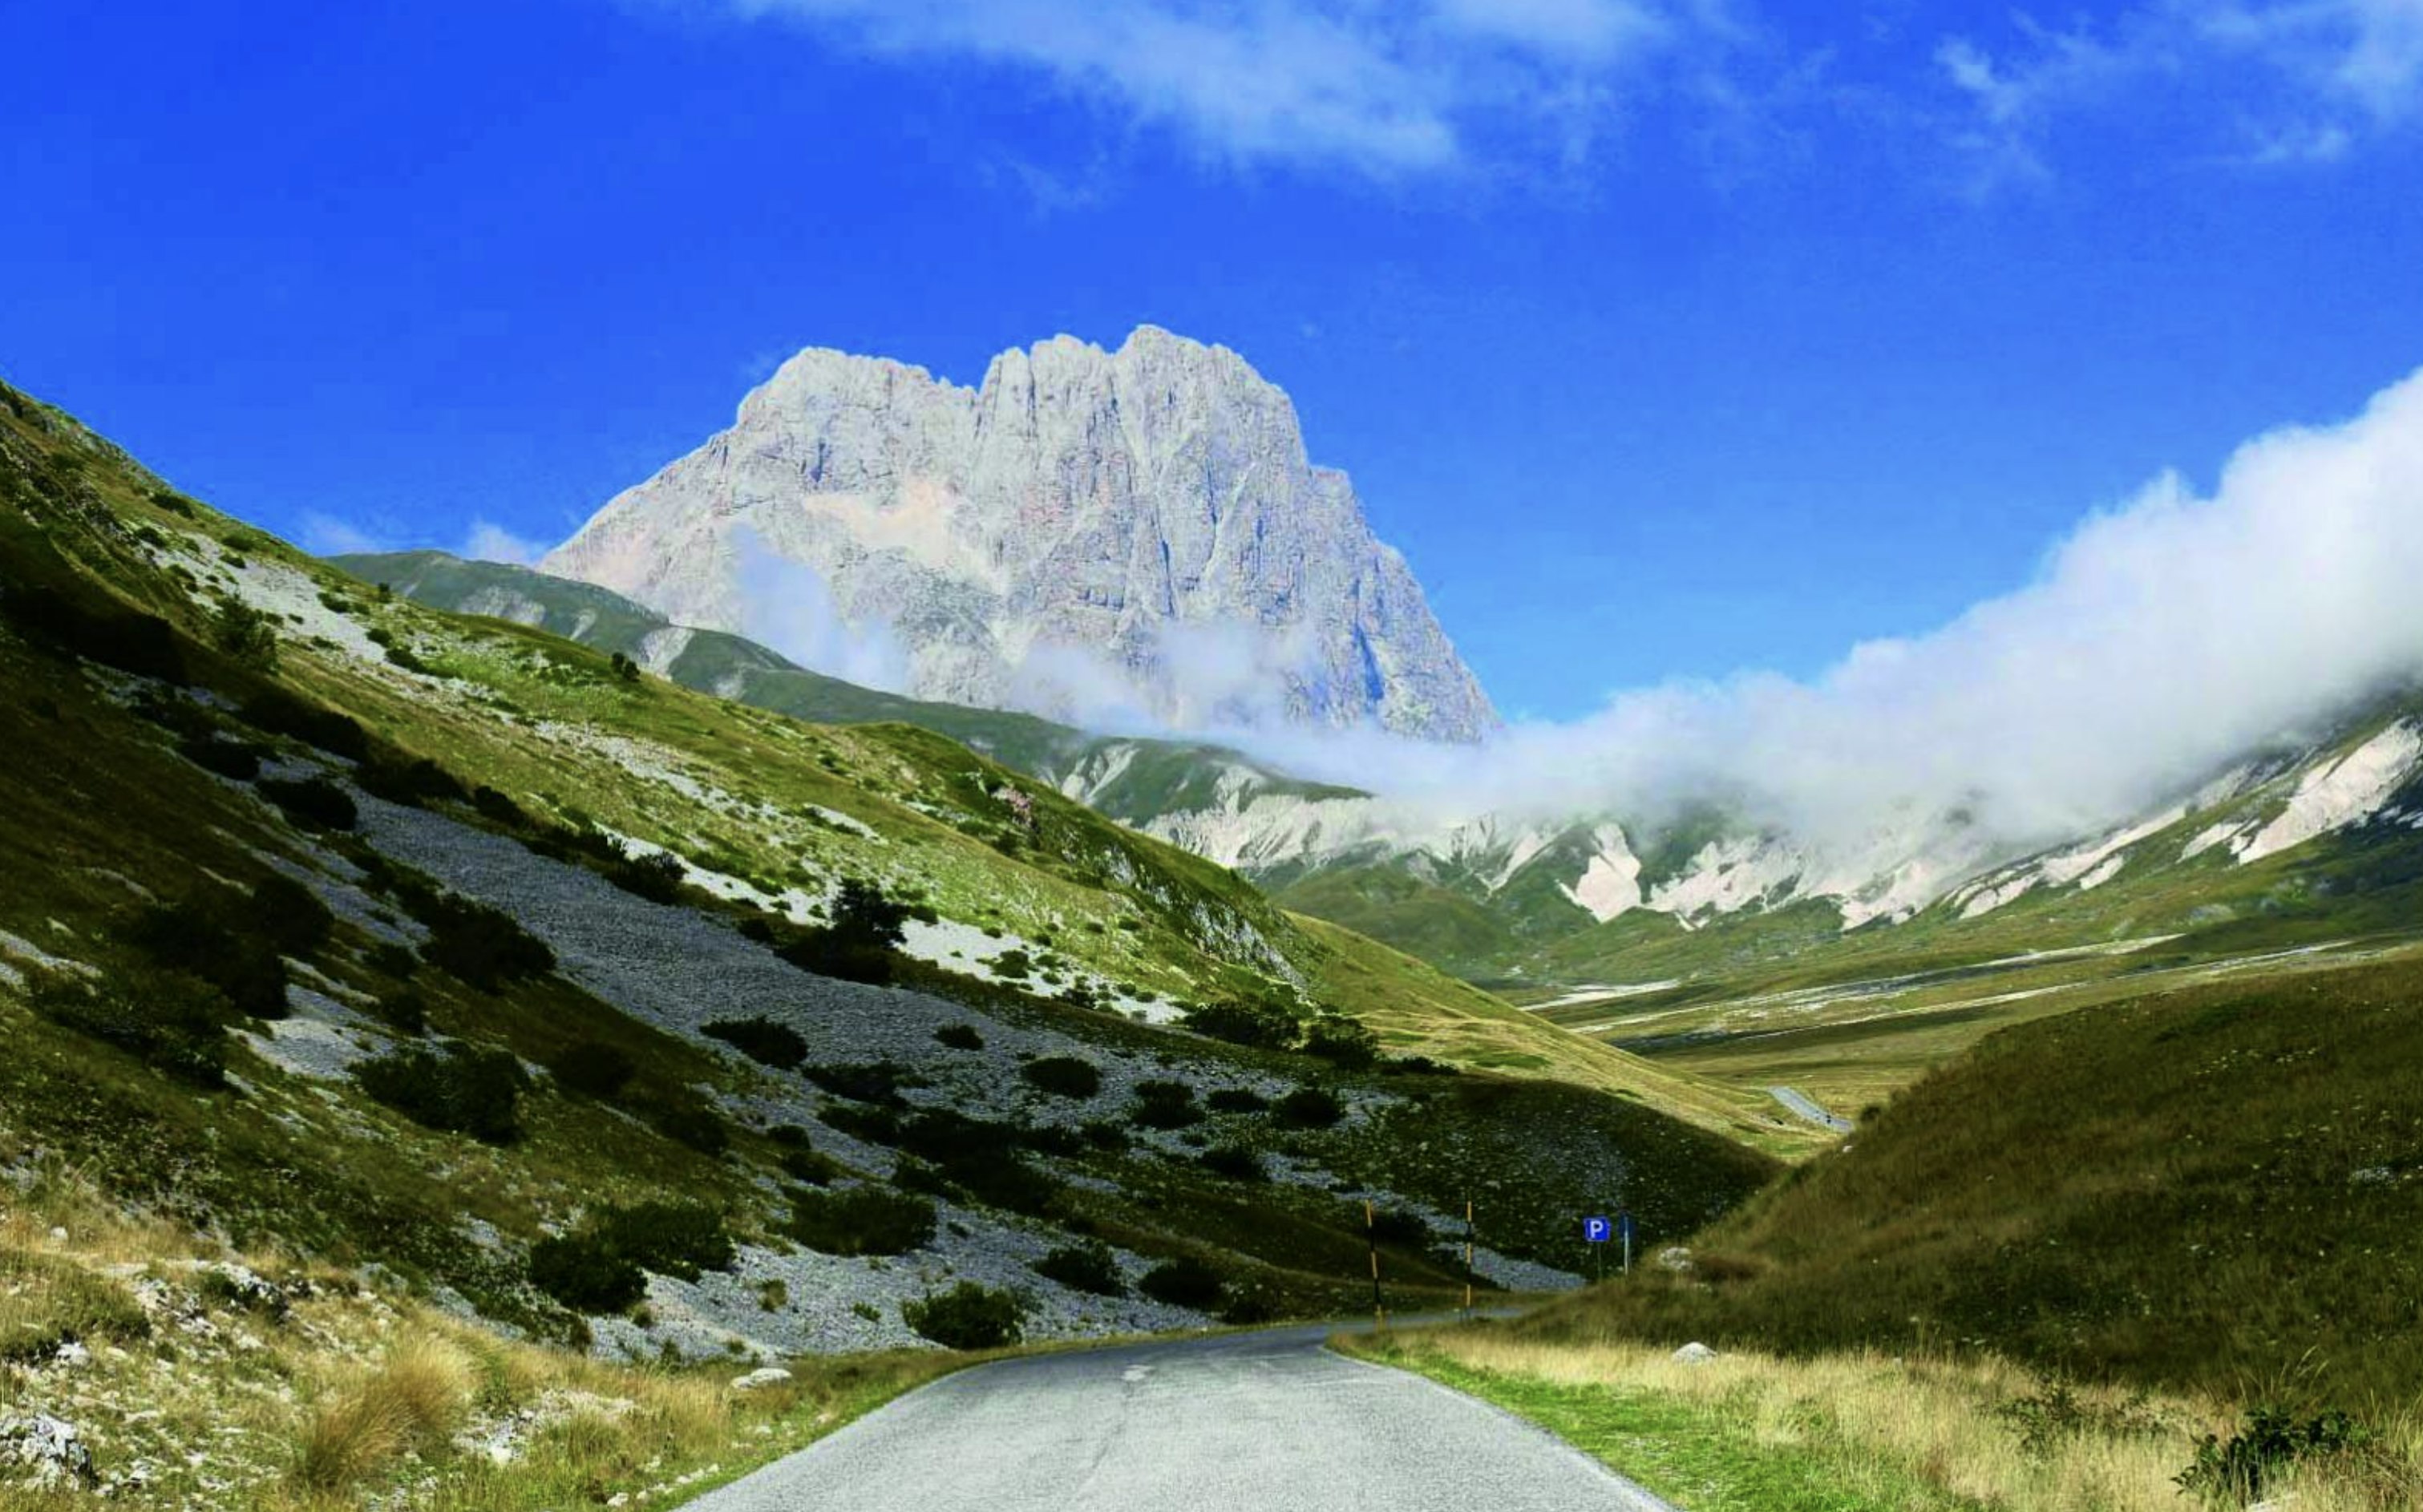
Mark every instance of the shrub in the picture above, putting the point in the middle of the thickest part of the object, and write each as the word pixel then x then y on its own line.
pixel 1184 1281
pixel 1102 1134
pixel 1063 1076
pixel 1250 1304
pixel 280 712
pixel 211 936
pixel 1237 1100
pixel 1310 1108
pixel 128 640
pixel 495 806
pixel 876 1082
pixel 2239 1473
pixel 873 1126
pixel 859 1220
pixel 1261 1025
pixel 405 1011
pixel 1233 1161
pixel 1086 1266
pixel 761 1040
pixel 462 1091
pixel 623 668
pixel 390 958
pixel 1013 966
pixel 476 944
pixel 417 782
pixel 968 1317
pixel 312 802
pixel 585 1274
pixel 657 877
pixel 594 1069
pixel 812 1168
pixel 245 633
pixel 959 1037
pixel 227 758
pixel 682 1239
pixel 1166 1105
pixel 686 1121
pixel 830 954
pixel 1345 1041
pixel 170 1022
pixel 288 915
pixel 175 503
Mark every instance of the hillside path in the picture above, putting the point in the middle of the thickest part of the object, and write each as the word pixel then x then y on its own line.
pixel 1264 1422
pixel 1804 1106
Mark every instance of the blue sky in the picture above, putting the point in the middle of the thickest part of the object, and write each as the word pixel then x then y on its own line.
pixel 1668 337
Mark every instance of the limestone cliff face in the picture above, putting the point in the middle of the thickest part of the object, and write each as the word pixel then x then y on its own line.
pixel 1085 530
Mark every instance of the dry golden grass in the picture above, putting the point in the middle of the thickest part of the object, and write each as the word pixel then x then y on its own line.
pixel 1944 1423
pixel 414 1398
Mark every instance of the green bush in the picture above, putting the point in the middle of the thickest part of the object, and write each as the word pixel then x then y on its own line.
pixel 460 1091
pixel 2239 1473
pixel 1012 965
pixel 131 641
pixel 1087 1266
pixel 686 1121
pixel 312 802
pixel 220 755
pixel 1310 1108
pixel 968 1317
pixel 1184 1281
pixel 1407 1231
pixel 404 1009
pixel 171 1022
pixel 476 944
pixel 213 935
pixel 594 1069
pixel 861 943
pixel 858 1220
pixel 1237 1100
pixel 1063 1076
pixel 586 1274
pixel 812 1168
pixel 1233 1161
pixel 876 1082
pixel 1347 1042
pixel 417 782
pixel 959 1037
pixel 246 635
pixel 278 712
pixel 761 1040
pixel 1166 1105
pixel 657 877
pixel 288 915
pixel 682 1239
pixel 1261 1025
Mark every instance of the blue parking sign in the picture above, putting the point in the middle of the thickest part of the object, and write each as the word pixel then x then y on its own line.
pixel 1597 1230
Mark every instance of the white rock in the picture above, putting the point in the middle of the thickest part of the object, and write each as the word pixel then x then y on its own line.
pixel 1694 1354
pixel 50 1452
pixel 1082 518
pixel 759 1379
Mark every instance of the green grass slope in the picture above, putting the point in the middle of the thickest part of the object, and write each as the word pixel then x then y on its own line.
pixel 2218 1187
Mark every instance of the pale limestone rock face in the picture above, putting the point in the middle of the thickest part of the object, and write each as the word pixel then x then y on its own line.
pixel 1085 529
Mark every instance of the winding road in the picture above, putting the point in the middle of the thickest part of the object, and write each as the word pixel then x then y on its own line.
pixel 1264 1422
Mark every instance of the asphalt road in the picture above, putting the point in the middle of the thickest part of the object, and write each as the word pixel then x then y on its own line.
pixel 1266 1421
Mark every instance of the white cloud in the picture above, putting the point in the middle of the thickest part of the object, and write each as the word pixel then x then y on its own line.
pixel 2295 81
pixel 490 542
pixel 788 606
pixel 1388 89
pixel 324 535
pixel 2162 641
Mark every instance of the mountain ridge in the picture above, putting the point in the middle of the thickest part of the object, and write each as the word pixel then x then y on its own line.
pixel 1085 529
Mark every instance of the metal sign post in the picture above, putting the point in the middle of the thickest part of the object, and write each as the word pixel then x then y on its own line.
pixel 1595 1233
pixel 1371 1238
pixel 1467 1257
pixel 1623 1224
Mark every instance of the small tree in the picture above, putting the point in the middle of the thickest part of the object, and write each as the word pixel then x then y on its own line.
pixel 624 667
pixel 1344 1041
pixel 968 1317
pixel 245 633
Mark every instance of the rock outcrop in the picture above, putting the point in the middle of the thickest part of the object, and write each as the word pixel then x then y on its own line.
pixel 1085 532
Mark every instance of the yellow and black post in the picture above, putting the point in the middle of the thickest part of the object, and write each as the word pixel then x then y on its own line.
pixel 1372 1239
pixel 1467 1257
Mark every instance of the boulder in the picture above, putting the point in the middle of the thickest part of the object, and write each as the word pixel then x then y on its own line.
pixel 1694 1353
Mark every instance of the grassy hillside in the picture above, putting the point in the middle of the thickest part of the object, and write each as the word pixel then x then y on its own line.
pixel 459 957
pixel 2215 1189
pixel 1128 779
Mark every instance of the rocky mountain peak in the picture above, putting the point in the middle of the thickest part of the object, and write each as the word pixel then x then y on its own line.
pixel 1085 533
